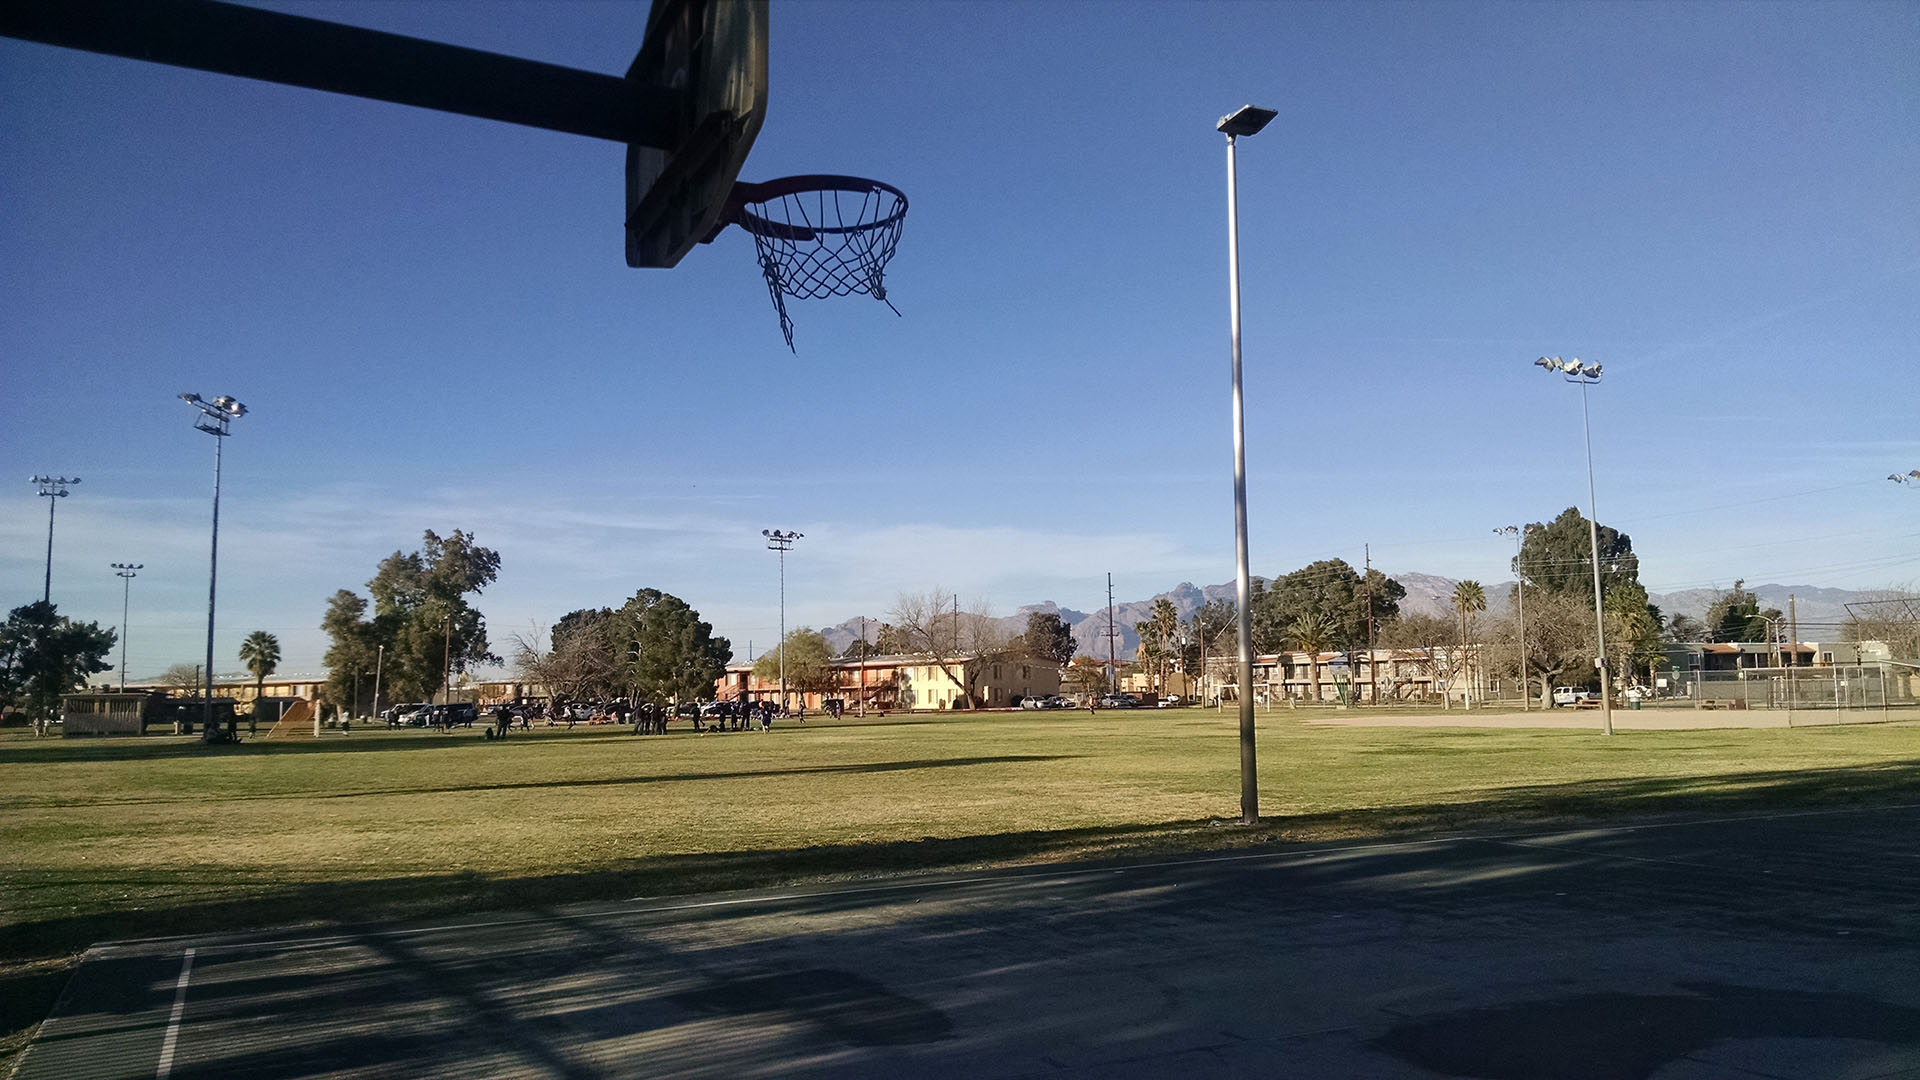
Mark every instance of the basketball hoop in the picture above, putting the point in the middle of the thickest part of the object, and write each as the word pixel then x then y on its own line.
pixel 820 236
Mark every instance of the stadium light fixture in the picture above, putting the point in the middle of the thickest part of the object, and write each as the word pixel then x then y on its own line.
pixel 215 418
pixel 1247 120
pixel 1585 375
pixel 782 542
pixel 55 489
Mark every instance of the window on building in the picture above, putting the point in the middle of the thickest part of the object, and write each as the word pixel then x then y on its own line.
pixel 996 673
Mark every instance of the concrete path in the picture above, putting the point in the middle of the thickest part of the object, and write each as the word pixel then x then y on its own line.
pixel 1783 946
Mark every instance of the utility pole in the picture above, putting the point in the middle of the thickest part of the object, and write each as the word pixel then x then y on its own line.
pixel 1373 666
pixel 379 662
pixel 55 489
pixel 1113 665
pixel 1793 628
pixel 863 665
pixel 1520 600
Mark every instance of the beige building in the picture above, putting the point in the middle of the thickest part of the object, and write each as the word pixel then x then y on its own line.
pixel 905 682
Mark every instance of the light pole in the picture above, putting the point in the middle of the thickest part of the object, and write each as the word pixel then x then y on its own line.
pixel 782 542
pixel 379 661
pixel 54 488
pixel 215 416
pixel 1520 600
pixel 1585 375
pixel 126 572
pixel 1247 120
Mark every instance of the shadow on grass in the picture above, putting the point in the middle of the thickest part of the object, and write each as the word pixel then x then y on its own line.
pixel 619 781
pixel 198 906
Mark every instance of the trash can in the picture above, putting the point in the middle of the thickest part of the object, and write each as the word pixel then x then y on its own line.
pixel 1633 703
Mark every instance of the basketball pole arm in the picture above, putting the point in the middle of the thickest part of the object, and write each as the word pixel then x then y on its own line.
pixel 273 47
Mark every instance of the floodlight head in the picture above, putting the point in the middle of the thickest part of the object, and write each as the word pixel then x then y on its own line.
pixel 765 532
pixel 1246 120
pixel 193 398
pixel 1591 371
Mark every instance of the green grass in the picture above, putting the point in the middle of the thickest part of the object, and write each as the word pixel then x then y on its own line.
pixel 117 838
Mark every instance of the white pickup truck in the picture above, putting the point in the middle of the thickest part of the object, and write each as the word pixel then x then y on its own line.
pixel 1571 695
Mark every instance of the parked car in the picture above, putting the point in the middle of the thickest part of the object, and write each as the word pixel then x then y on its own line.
pixel 1170 701
pixel 1571 695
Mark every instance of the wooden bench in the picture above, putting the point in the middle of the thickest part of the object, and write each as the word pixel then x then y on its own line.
pixel 1720 703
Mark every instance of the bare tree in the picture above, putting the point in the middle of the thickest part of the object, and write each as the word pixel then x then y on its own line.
pixel 182 677
pixel 1890 615
pixel 933 626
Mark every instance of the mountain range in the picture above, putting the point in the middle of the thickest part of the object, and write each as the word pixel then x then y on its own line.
pixel 1820 611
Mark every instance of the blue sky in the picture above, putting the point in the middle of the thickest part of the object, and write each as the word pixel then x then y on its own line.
pixel 431 318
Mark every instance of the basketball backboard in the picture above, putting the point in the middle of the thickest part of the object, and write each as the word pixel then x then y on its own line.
pixel 713 55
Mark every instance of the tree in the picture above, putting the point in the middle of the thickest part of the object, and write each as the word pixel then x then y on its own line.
pixel 1048 639
pixel 260 651
pixel 1557 557
pixel 182 677
pixel 1211 633
pixel 1686 628
pixel 1469 599
pixel 889 641
pixel 420 615
pixel 1429 634
pixel 670 654
pixel 1311 633
pixel 44 654
pixel 1330 589
pixel 1560 645
pixel 810 667
pixel 1633 632
pixel 948 638
pixel 1158 634
pixel 1735 615
pixel 582 661
pixel 1890 615
pixel 1085 675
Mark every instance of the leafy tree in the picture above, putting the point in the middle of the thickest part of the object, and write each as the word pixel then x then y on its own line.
pixel 1311 633
pixel 1330 588
pixel 671 655
pixel 809 663
pixel 44 654
pixel 1633 632
pixel 1049 639
pixel 260 651
pixel 1557 557
pixel 1735 615
pixel 420 614
pixel 1469 599
pixel 1158 635
pixel 1686 628
pixel 890 641
pixel 1085 675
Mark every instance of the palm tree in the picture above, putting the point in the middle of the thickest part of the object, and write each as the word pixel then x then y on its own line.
pixel 260 651
pixel 1468 598
pixel 1310 634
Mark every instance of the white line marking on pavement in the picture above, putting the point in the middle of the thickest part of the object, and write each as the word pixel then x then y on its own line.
pixel 173 1023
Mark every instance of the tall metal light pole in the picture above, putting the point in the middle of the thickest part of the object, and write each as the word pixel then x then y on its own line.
pixel 54 488
pixel 1585 375
pixel 782 542
pixel 1520 600
pixel 1247 120
pixel 215 416
pixel 126 572
pixel 379 661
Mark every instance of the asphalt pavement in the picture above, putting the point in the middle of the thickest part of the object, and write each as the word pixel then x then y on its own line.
pixel 1783 946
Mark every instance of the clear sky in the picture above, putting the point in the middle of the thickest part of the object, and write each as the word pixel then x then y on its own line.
pixel 432 321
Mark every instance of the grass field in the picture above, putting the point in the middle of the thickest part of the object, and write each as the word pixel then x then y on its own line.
pixel 140 837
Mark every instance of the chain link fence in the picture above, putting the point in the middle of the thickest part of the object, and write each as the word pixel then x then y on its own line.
pixel 1865 691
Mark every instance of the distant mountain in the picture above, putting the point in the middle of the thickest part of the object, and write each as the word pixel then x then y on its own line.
pixel 1820 610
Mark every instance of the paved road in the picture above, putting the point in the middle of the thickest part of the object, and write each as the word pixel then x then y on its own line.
pixel 1782 946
